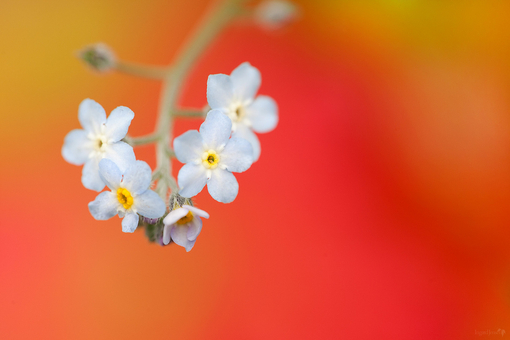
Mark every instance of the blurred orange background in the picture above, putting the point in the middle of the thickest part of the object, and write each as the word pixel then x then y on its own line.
pixel 378 208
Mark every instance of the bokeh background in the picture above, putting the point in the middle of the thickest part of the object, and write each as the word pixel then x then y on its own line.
pixel 379 208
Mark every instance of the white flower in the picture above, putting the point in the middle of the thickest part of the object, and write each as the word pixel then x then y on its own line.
pixel 100 138
pixel 211 157
pixel 274 14
pixel 234 95
pixel 129 197
pixel 183 225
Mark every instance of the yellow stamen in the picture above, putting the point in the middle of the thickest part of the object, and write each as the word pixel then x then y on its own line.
pixel 210 159
pixel 240 112
pixel 125 198
pixel 186 219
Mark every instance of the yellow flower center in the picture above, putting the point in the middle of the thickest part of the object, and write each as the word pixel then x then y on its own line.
pixel 125 198
pixel 240 112
pixel 186 219
pixel 210 159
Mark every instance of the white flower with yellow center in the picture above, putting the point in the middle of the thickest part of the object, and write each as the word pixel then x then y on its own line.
pixel 183 225
pixel 234 95
pixel 211 157
pixel 129 196
pixel 99 138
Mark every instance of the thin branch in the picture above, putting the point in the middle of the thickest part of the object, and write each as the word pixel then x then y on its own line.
pixel 141 70
pixel 141 140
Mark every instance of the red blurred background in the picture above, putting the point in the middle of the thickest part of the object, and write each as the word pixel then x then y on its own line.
pixel 378 208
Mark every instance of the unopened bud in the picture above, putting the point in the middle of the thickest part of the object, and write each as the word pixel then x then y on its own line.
pixel 275 14
pixel 98 56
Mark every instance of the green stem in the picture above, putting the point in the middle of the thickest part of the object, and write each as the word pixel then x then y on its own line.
pixel 191 113
pixel 141 140
pixel 141 70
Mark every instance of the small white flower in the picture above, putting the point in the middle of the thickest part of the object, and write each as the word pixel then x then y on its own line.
pixel 234 95
pixel 274 14
pixel 183 225
pixel 211 157
pixel 129 196
pixel 99 138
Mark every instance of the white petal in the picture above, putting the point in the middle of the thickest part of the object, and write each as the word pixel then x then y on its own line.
pixel 179 236
pixel 77 147
pixel 121 154
pixel 216 129
pixel 149 204
pixel 118 122
pixel 220 91
pixel 130 222
pixel 223 186
pixel 237 155
pixel 104 206
pixel 188 147
pixel 166 233
pixel 262 114
pixel 137 177
pixel 246 80
pixel 242 131
pixel 110 174
pixel 174 216
pixel 90 175
pixel 91 116
pixel 196 211
pixel 194 228
pixel 192 179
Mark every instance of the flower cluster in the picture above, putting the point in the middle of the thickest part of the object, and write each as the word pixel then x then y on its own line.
pixel 225 144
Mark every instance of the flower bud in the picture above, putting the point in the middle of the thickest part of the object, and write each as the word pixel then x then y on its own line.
pixel 275 14
pixel 98 56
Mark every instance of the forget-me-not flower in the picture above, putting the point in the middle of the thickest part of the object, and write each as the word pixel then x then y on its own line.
pixel 183 225
pixel 234 95
pixel 211 156
pixel 99 138
pixel 129 196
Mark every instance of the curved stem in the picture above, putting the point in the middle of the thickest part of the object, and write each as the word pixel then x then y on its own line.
pixel 213 23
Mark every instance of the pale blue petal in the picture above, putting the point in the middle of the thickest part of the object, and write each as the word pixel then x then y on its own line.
pixel 118 122
pixel 196 211
pixel 188 147
pixel 130 222
pixel 192 179
pixel 178 234
pixel 90 175
pixel 216 129
pixel 194 228
pixel 121 154
pixel 263 114
pixel 104 206
pixel 246 80
pixel 242 131
pixel 167 232
pixel 174 216
pixel 237 155
pixel 220 91
pixel 77 147
pixel 91 116
pixel 137 178
pixel 223 186
pixel 110 174
pixel 149 204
